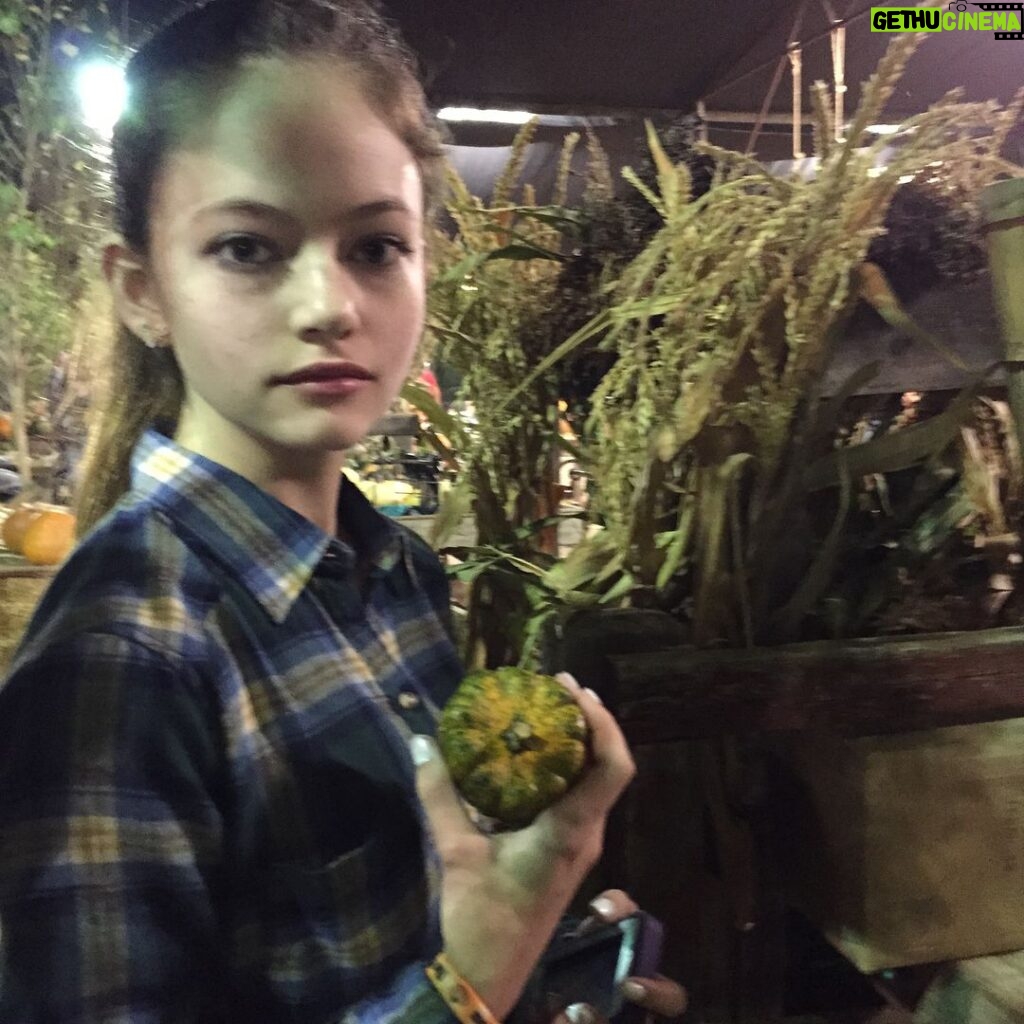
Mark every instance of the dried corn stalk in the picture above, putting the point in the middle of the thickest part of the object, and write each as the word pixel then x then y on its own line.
pixel 722 328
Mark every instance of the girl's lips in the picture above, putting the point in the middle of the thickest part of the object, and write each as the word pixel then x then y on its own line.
pixel 332 386
pixel 331 371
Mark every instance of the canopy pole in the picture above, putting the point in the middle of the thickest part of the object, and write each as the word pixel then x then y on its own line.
pixel 837 39
pixel 839 63
pixel 794 36
pixel 796 61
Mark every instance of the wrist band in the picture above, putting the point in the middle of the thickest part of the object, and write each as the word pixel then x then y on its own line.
pixel 460 996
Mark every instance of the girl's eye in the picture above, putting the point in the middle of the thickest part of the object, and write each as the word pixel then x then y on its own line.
pixel 381 250
pixel 245 252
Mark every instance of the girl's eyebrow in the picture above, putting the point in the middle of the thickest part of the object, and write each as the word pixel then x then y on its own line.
pixel 257 209
pixel 388 205
pixel 248 206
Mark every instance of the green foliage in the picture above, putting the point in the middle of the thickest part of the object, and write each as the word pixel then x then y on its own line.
pixel 495 289
pixel 54 191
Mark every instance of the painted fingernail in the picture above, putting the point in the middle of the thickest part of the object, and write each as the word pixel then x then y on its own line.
pixel 633 990
pixel 581 1013
pixel 590 693
pixel 602 906
pixel 422 750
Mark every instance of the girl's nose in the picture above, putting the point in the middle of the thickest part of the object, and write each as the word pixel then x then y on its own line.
pixel 324 306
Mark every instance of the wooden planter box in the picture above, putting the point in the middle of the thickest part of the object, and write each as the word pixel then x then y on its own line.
pixel 896 819
pixel 909 848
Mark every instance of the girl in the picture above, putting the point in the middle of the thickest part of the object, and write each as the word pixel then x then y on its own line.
pixel 208 799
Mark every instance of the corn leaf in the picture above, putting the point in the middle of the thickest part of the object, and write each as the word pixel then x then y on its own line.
pixel 469 571
pixel 677 547
pixel 581 566
pixel 621 589
pixel 528 530
pixel 440 418
pixel 820 574
pixel 523 251
pixel 877 292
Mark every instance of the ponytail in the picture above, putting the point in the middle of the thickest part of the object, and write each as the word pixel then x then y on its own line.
pixel 139 388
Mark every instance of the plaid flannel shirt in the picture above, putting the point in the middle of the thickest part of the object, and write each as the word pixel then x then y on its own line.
pixel 207 806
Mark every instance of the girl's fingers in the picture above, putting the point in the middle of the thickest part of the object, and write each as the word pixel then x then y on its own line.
pixel 611 905
pixel 579 1013
pixel 451 828
pixel 659 995
pixel 611 767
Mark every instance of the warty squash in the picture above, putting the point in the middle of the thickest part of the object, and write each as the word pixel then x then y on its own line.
pixel 514 742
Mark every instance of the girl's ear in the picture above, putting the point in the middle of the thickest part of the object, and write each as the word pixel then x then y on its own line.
pixel 136 301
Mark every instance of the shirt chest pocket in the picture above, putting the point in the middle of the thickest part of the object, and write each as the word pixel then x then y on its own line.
pixel 357 917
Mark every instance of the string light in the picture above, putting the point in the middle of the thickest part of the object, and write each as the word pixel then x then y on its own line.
pixel 102 95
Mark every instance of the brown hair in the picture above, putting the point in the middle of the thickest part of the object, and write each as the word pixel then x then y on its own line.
pixel 171 80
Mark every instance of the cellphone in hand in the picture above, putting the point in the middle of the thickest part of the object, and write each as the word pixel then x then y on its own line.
pixel 590 968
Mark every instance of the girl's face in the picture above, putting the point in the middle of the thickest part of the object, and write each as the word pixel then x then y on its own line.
pixel 287 264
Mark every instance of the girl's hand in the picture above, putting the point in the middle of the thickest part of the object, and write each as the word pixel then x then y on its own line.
pixel 502 896
pixel 660 996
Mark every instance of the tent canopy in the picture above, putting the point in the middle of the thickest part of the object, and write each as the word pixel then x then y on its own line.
pixel 596 56
pixel 638 57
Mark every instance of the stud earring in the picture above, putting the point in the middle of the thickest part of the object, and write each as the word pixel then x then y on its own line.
pixel 152 338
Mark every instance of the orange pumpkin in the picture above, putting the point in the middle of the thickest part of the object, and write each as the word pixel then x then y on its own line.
pixel 16 524
pixel 49 538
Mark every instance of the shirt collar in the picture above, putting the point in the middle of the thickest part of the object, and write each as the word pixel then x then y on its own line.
pixel 268 547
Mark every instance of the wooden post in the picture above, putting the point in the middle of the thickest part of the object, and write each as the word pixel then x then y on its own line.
pixel 1002 207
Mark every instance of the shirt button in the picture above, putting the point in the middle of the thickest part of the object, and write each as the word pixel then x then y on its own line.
pixel 408 700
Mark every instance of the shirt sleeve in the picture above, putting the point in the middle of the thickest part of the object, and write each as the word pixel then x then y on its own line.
pixel 111 837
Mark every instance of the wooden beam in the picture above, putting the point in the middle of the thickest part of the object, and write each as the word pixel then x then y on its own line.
pixel 853 688
pixel 752 117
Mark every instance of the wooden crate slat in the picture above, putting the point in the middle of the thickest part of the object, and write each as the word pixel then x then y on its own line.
pixel 854 688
